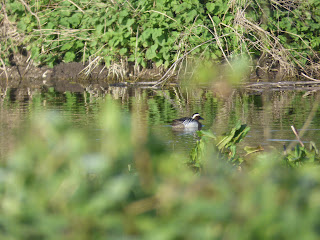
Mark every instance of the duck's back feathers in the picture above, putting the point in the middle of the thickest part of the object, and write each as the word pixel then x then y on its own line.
pixel 179 123
pixel 187 122
pixel 180 120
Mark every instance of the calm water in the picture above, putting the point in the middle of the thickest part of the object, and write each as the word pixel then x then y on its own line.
pixel 269 114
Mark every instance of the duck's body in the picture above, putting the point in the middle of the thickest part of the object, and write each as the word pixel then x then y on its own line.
pixel 187 122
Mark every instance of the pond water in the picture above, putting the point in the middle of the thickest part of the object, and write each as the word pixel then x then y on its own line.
pixel 268 114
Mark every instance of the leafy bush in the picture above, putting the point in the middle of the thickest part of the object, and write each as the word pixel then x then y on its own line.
pixel 59 185
pixel 164 32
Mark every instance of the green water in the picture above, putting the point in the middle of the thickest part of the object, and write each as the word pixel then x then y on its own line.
pixel 269 114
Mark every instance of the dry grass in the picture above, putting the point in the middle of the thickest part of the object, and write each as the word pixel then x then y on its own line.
pixel 251 35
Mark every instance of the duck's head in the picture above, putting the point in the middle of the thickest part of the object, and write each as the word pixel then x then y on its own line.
pixel 196 116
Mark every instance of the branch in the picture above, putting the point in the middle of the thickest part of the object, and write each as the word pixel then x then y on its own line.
pixel 313 79
pixel 75 5
pixel 297 135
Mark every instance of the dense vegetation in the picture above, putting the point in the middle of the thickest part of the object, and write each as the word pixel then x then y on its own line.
pixel 271 33
pixel 55 184
pixel 127 185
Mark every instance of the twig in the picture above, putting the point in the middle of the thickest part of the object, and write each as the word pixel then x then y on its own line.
pixel 75 5
pixel 84 53
pixel 164 77
pixel 91 65
pixel 218 41
pixel 297 135
pixel 282 84
pixel 269 43
pixel 313 79
pixel 136 66
pixel 5 70
pixel 308 121
pixel 162 14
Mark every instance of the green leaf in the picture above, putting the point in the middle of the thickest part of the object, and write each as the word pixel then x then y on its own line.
pixel 210 6
pixel 66 46
pixel 157 32
pixel 159 63
pixel 69 57
pixel 50 25
pixel 35 52
pixel 123 51
pixel 64 22
pixel 216 19
pixel 151 52
pixel 99 28
pixel 191 15
pixel 130 22
pixel 15 6
pixel 22 25
pixel 108 60
pixel 78 44
pixel 207 134
pixel 251 150
pixel 234 136
pixel 75 19
pixel 146 34
pixel 93 43
pixel 123 13
pixel 51 64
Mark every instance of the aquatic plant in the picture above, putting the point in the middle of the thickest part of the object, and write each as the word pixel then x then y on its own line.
pixel 225 147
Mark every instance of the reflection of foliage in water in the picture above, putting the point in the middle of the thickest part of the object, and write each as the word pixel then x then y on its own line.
pixel 269 114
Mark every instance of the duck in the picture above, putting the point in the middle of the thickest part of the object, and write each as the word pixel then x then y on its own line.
pixel 188 122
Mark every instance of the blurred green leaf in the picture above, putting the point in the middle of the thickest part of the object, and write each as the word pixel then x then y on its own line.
pixel 69 57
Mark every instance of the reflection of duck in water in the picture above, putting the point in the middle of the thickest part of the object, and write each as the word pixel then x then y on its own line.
pixel 188 123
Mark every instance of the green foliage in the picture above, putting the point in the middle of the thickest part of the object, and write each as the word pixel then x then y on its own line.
pixel 226 146
pixel 302 155
pixel 200 150
pixel 159 31
pixel 58 185
pixel 228 142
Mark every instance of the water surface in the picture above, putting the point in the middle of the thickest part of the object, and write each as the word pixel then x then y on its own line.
pixel 269 114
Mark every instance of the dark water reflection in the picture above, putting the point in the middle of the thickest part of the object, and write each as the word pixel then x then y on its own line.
pixel 269 114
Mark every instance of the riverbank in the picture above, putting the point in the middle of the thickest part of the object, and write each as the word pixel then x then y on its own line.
pixel 121 40
pixel 72 77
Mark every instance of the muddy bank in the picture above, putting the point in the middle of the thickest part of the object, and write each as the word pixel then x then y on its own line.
pixel 24 80
pixel 73 77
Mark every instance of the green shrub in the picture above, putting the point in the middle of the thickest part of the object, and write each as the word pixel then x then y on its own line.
pixel 161 32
